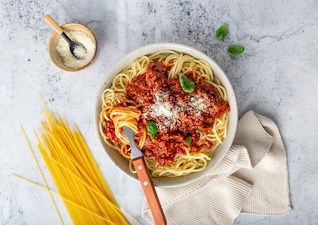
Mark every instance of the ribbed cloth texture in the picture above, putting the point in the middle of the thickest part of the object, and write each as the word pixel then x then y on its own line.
pixel 252 178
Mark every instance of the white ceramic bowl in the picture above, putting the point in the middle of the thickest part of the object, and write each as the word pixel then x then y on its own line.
pixel 122 163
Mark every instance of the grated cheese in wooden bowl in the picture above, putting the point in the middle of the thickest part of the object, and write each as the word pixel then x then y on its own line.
pixel 69 60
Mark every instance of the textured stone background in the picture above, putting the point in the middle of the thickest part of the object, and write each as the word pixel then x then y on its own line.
pixel 276 76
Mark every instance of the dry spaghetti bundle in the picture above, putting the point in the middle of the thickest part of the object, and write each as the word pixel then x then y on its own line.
pixel 76 175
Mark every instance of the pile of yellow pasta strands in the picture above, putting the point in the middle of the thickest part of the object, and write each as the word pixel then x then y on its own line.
pixel 76 175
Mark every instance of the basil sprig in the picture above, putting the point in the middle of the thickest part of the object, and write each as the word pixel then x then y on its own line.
pixel 188 140
pixel 235 50
pixel 152 129
pixel 186 84
pixel 222 31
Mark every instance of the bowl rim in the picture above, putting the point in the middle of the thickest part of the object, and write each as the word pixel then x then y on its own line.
pixel 132 56
pixel 50 41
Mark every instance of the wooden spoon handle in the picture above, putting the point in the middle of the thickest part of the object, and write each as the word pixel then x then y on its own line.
pixel 149 190
pixel 53 24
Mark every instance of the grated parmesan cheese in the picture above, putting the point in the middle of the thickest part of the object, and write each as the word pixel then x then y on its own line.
pixel 69 60
pixel 80 52
pixel 169 112
pixel 199 103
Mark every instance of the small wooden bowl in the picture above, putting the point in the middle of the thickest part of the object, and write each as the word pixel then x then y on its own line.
pixel 55 56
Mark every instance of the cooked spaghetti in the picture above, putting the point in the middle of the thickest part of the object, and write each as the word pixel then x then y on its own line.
pixel 189 125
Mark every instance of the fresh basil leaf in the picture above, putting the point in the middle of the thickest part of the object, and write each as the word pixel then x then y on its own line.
pixel 235 50
pixel 222 31
pixel 186 84
pixel 153 138
pixel 151 127
pixel 187 141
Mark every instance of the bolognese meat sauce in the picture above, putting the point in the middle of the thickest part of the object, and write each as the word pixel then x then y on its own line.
pixel 177 114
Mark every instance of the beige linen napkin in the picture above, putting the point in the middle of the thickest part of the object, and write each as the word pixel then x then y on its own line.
pixel 252 178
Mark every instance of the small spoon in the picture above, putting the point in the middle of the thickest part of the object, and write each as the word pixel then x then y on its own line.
pixel 73 45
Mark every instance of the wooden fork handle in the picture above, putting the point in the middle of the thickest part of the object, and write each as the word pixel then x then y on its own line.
pixel 149 190
pixel 53 24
